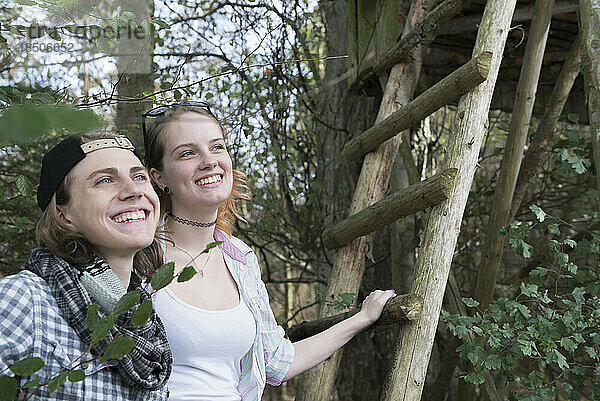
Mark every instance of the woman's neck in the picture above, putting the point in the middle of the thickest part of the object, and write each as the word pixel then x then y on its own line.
pixel 190 237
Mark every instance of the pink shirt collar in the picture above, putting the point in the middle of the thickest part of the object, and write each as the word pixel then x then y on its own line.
pixel 227 246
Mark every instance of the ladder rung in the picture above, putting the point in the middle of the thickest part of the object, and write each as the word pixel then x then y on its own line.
pixel 400 309
pixel 407 201
pixel 444 92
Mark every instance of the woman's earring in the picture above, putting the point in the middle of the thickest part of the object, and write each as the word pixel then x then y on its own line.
pixel 166 190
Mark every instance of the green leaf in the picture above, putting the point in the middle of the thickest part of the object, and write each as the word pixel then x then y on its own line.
pixel 27 366
pixel 556 356
pixel 142 313
pixel 526 347
pixel 591 351
pixel 160 23
pixel 163 276
pixel 553 229
pixel 568 344
pixel 128 15
pixel 24 186
pixel 573 117
pixel 19 123
pixel 521 247
pixel 492 362
pixel 56 382
pixel 147 26
pixel 529 290
pixel 539 271
pixel 32 383
pixel 470 302
pixel 579 295
pixel 102 328
pixel 76 375
pixel 211 246
pixel 126 302
pixel 524 310
pixel 186 274
pixel 8 388
pixel 570 242
pixel 474 378
pixel 91 316
pixel 539 213
pixel 120 347
pixel 26 2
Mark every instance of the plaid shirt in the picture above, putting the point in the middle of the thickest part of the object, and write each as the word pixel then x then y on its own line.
pixel 31 324
pixel 271 354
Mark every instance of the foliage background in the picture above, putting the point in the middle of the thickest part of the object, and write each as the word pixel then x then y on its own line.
pixel 276 75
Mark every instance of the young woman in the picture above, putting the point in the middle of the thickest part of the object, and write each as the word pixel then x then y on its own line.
pixel 97 239
pixel 223 335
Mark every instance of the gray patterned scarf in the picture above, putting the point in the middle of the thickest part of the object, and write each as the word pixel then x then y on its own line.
pixel 148 365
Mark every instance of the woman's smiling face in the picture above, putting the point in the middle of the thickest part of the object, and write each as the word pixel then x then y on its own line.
pixel 112 202
pixel 196 165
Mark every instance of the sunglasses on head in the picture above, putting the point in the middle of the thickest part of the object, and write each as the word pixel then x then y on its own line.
pixel 160 110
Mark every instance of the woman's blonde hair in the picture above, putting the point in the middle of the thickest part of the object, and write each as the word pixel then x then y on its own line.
pixel 154 144
pixel 66 242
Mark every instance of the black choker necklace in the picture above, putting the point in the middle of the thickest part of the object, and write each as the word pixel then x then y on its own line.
pixel 190 222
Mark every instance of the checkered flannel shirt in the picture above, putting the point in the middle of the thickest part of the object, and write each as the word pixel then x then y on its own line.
pixel 31 324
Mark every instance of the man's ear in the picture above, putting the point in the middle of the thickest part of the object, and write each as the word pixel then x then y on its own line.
pixel 63 215
pixel 157 178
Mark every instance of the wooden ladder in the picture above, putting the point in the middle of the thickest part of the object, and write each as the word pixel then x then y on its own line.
pixel 446 194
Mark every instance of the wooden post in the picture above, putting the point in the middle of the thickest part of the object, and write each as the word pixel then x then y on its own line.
pixel 540 140
pixel 401 308
pixel 413 349
pixel 589 24
pixel 346 277
pixel 522 13
pixel 407 201
pixel 445 91
pixel 513 151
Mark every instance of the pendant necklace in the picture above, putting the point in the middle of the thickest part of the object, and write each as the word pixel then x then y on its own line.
pixel 200 271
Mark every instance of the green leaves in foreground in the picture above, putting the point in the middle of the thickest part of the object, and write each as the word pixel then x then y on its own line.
pixel 21 122
pixel 57 381
pixel 102 328
pixel 76 375
pixel 91 316
pixel 27 366
pixel 120 347
pixel 186 274
pixel 8 388
pixel 126 302
pixel 142 313
pixel 163 276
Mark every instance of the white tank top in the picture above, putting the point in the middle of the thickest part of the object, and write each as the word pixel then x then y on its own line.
pixel 207 347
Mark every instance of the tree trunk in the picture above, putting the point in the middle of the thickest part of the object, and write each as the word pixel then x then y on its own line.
pixel 317 383
pixel 589 24
pixel 340 116
pixel 410 361
pixel 134 65
pixel 540 140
